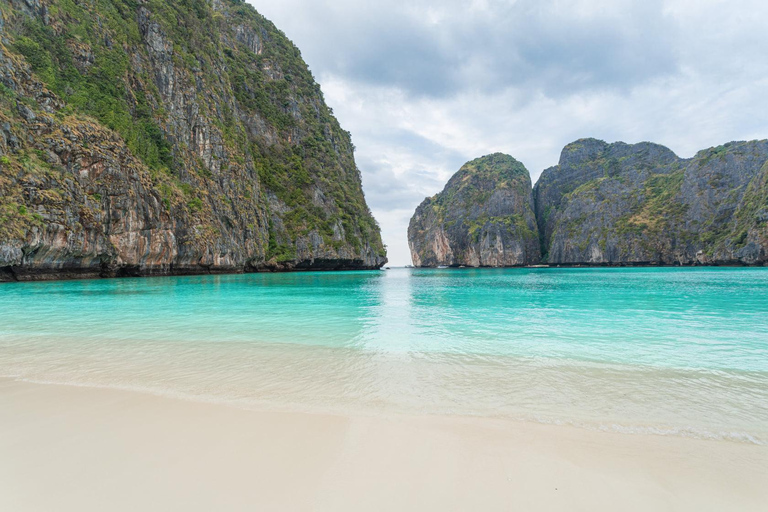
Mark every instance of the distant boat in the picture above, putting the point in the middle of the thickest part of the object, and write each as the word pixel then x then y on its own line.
pixel 409 266
pixel 442 266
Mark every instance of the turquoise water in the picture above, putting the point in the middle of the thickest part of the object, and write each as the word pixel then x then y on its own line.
pixel 669 351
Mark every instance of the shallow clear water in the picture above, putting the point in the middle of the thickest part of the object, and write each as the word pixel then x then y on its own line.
pixel 670 351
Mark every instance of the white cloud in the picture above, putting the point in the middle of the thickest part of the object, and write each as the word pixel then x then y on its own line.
pixel 425 86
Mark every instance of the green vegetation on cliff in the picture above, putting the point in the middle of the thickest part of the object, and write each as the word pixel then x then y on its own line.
pixel 225 119
pixel 652 207
pixel 603 204
pixel 483 217
pixel 471 183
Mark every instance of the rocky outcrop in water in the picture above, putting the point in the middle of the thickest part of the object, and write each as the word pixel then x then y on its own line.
pixel 613 204
pixel 168 137
pixel 483 218
pixel 620 204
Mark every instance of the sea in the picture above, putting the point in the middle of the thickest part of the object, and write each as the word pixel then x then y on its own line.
pixel 664 351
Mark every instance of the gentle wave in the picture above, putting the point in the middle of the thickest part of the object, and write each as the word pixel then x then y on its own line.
pixel 599 396
pixel 686 432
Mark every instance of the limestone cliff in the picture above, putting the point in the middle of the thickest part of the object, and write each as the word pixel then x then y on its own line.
pixel 608 204
pixel 143 137
pixel 603 204
pixel 483 218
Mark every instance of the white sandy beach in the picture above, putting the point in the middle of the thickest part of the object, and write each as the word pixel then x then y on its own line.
pixel 81 449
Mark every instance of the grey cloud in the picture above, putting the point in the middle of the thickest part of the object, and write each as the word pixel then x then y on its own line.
pixel 385 190
pixel 403 57
pixel 540 44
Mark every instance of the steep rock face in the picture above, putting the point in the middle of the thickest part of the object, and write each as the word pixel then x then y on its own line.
pixel 483 218
pixel 165 137
pixel 641 204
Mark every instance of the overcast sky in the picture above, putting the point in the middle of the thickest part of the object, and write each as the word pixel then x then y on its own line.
pixel 425 86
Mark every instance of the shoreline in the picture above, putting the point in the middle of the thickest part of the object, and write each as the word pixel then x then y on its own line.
pixel 611 427
pixel 15 275
pixel 22 275
pixel 73 448
pixel 602 265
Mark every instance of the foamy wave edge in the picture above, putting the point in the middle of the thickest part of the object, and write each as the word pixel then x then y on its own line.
pixel 267 406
